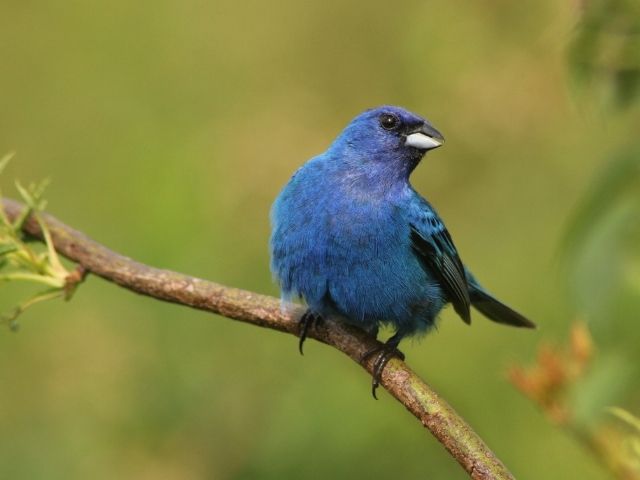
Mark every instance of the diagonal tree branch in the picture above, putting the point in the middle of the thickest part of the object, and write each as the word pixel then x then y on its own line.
pixel 418 397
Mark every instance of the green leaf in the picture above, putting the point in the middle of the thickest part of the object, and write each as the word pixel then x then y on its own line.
pixel 4 161
pixel 626 417
pixel 32 196
pixel 10 318
pixel 608 380
pixel 618 179
pixel 604 56
pixel 635 446
pixel 7 248
pixel 602 243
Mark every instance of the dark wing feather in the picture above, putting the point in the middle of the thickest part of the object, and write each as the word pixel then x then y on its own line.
pixel 435 248
pixel 495 310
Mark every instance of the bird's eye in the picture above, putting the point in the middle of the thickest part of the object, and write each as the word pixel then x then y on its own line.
pixel 389 121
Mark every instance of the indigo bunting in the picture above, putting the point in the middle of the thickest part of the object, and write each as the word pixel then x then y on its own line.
pixel 354 240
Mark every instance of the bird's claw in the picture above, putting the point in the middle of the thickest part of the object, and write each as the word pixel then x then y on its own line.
pixel 308 320
pixel 384 353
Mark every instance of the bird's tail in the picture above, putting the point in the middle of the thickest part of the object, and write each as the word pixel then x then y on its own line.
pixel 495 310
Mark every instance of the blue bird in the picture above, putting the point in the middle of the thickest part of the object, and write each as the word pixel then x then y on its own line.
pixel 354 240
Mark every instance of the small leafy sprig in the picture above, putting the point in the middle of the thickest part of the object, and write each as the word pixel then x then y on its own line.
pixel 559 381
pixel 19 261
pixel 631 442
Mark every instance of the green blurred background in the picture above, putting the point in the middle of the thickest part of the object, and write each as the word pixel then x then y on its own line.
pixel 168 128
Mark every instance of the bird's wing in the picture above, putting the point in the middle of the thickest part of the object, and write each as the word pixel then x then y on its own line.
pixel 434 247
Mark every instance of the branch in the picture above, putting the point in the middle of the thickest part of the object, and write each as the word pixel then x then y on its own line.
pixel 398 379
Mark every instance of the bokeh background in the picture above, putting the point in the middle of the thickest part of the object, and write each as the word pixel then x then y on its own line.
pixel 169 127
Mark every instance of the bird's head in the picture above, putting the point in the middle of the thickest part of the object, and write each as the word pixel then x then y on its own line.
pixel 389 134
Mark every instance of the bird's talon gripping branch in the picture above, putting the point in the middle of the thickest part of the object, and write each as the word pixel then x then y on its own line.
pixel 308 320
pixel 383 353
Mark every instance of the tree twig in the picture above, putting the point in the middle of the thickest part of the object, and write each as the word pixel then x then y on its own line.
pixel 398 379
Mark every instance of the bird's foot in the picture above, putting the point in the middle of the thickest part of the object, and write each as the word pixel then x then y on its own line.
pixel 308 320
pixel 384 353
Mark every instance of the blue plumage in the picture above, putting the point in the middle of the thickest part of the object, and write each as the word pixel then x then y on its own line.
pixel 353 239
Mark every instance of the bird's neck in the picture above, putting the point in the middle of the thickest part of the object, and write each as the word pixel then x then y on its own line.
pixel 375 174
pixel 374 182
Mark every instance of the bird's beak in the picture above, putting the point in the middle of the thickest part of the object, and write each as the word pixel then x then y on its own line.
pixel 424 138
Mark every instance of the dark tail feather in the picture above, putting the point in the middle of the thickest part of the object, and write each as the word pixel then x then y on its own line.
pixel 495 310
